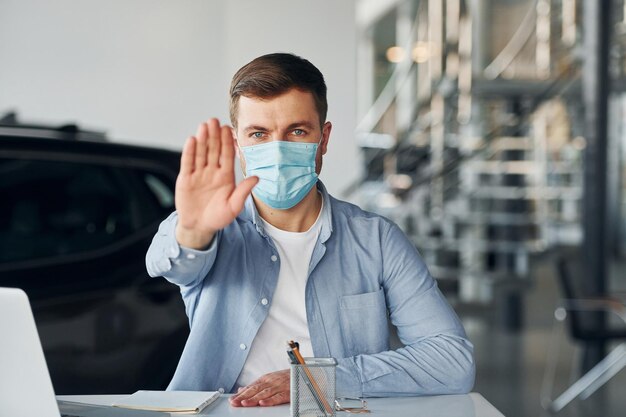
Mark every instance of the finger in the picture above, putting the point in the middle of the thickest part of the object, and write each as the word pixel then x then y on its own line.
pixel 201 145
pixel 228 152
pixel 249 403
pixel 187 157
pixel 241 192
pixel 268 392
pixel 214 143
pixel 253 401
pixel 234 402
pixel 233 398
pixel 282 397
pixel 244 394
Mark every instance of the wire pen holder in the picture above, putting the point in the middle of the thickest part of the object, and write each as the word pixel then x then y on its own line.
pixel 313 388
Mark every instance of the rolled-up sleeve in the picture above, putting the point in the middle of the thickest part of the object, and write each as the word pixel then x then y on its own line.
pixel 182 266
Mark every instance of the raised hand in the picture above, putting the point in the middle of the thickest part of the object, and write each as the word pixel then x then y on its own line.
pixel 207 199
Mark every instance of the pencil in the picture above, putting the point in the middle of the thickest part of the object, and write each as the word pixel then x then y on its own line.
pixel 317 392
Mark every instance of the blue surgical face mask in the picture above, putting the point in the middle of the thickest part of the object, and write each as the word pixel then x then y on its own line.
pixel 286 171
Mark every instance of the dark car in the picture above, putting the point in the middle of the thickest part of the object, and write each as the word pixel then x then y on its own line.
pixel 77 214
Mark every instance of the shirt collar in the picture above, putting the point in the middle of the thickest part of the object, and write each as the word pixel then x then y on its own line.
pixel 250 213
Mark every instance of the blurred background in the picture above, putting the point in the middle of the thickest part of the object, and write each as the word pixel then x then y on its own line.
pixel 491 131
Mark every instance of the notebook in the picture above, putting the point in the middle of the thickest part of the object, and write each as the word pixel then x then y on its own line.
pixel 169 401
pixel 25 385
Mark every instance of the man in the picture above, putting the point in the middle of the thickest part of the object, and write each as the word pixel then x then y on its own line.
pixel 276 258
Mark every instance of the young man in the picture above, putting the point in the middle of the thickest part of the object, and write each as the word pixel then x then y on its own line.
pixel 276 258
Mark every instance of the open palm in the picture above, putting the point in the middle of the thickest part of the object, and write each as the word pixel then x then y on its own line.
pixel 207 198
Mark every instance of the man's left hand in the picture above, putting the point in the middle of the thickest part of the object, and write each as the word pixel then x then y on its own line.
pixel 270 389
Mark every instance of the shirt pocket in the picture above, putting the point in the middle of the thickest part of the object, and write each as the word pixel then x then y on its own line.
pixel 364 323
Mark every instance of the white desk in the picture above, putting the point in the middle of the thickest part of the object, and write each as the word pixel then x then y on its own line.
pixel 470 405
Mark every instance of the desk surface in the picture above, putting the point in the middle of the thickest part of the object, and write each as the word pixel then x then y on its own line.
pixel 470 405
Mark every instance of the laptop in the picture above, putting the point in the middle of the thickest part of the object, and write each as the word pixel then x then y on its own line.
pixel 25 385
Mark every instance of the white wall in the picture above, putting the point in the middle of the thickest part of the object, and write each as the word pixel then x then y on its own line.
pixel 147 71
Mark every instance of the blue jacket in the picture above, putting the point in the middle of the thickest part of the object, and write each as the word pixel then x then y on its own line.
pixel 363 271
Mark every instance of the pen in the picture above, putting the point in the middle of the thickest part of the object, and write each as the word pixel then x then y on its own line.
pixel 310 380
pixel 292 358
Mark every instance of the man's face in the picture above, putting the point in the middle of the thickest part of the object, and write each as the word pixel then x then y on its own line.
pixel 292 116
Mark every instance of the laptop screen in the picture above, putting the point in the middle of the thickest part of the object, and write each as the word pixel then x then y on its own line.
pixel 25 386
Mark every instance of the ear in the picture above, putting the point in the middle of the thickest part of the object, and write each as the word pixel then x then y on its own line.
pixel 235 142
pixel 328 126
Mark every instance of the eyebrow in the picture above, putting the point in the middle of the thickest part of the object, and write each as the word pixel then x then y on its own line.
pixel 258 128
pixel 255 128
pixel 302 123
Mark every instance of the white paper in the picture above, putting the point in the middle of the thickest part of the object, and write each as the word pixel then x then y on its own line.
pixel 169 401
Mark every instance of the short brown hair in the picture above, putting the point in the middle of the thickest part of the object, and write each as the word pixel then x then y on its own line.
pixel 271 75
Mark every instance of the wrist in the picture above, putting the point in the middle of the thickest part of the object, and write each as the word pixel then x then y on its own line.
pixel 193 239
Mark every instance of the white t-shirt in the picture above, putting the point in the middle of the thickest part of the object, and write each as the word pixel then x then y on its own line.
pixel 286 319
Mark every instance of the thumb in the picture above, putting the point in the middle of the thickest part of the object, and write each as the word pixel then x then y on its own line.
pixel 243 190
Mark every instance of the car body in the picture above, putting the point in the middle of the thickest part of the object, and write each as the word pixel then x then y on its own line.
pixel 77 214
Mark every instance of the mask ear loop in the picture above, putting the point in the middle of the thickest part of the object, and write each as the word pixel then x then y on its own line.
pixel 241 154
pixel 322 136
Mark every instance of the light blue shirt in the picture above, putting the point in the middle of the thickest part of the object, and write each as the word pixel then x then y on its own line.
pixel 363 271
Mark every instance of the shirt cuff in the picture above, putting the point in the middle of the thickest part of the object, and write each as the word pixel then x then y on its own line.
pixel 178 264
pixel 191 254
pixel 348 379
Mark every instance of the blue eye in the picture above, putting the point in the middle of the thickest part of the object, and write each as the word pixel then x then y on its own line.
pixel 257 135
pixel 298 132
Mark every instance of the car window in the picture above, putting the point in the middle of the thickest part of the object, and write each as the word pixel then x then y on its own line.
pixel 160 190
pixel 54 208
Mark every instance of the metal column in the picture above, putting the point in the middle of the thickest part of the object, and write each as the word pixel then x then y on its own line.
pixel 597 31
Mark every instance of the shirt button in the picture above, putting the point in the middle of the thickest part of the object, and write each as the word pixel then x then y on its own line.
pixel 221 390
pixel 264 301
pixel 242 346
pixel 191 256
pixel 274 258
